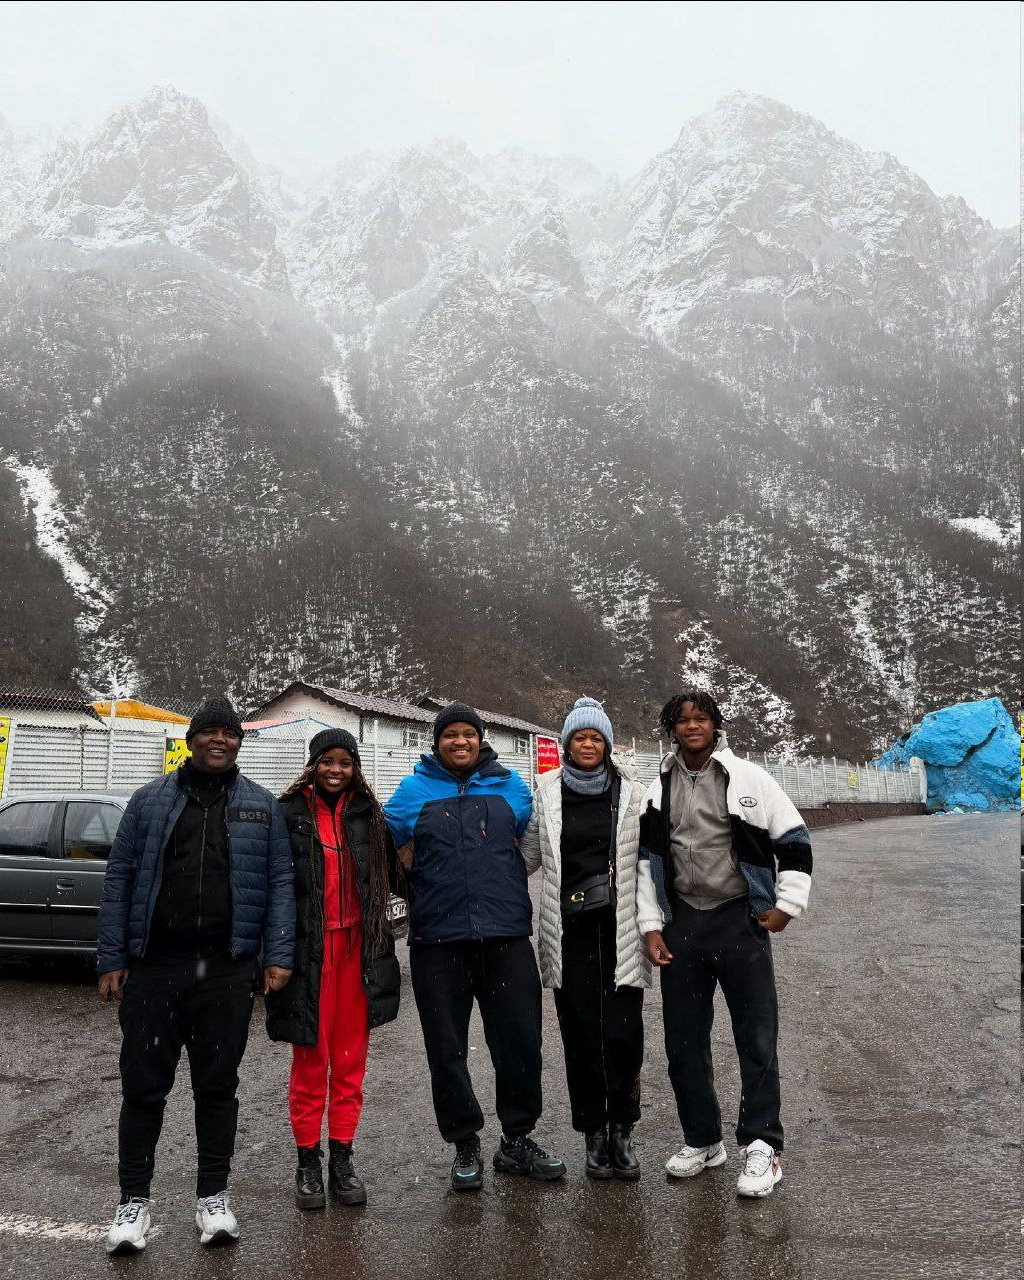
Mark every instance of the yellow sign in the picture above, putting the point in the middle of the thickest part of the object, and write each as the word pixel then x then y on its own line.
pixel 851 777
pixel 175 753
pixel 5 738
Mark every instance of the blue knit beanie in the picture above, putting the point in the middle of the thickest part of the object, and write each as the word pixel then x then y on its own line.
pixel 587 713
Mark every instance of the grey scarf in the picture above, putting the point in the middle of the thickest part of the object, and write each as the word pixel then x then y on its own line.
pixel 586 782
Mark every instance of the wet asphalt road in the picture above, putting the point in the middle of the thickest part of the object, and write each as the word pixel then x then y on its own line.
pixel 901 1083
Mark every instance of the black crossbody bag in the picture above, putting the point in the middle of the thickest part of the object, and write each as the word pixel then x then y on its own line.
pixel 596 891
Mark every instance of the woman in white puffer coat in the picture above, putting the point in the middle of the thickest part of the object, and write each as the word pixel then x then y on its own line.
pixel 584 837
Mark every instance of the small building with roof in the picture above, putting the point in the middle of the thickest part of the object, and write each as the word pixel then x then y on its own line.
pixel 59 708
pixel 303 709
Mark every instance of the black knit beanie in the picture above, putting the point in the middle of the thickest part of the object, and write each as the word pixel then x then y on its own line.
pixel 328 739
pixel 215 713
pixel 456 713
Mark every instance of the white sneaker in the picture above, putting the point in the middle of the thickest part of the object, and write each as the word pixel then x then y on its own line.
pixel 215 1222
pixel 762 1168
pixel 127 1232
pixel 689 1161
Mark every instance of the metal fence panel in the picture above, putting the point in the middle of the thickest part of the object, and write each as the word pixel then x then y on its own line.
pixel 51 758
pixel 137 757
pixel 272 762
pixel 818 781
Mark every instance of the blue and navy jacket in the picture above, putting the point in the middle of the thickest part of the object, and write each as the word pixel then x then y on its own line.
pixel 468 878
pixel 261 877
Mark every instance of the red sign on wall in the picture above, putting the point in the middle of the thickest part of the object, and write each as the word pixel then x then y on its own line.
pixel 547 755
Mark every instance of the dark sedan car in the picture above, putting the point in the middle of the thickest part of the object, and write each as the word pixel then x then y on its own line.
pixel 53 856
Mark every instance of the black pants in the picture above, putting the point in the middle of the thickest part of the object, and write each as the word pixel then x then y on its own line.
pixel 723 946
pixel 167 1005
pixel 501 975
pixel 602 1029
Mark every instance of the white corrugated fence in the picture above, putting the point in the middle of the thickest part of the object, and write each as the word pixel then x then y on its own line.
pixel 51 758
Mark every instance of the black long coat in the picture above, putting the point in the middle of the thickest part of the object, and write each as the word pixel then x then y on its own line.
pixel 293 1014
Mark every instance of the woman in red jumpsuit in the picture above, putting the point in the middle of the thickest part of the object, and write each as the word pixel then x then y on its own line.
pixel 345 978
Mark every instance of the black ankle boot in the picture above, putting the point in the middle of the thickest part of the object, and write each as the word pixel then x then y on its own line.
pixel 620 1150
pixel 341 1177
pixel 599 1164
pixel 309 1179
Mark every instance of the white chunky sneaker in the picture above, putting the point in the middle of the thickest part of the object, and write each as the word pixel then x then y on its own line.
pixel 127 1232
pixel 215 1222
pixel 689 1161
pixel 762 1168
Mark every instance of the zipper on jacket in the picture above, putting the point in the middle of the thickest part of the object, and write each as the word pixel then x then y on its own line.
pixel 202 859
pixel 157 884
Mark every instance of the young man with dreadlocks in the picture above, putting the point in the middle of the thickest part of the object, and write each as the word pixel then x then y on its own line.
pixel 714 828
pixel 346 976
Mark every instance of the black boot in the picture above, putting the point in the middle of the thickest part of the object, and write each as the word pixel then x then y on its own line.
pixel 341 1177
pixel 620 1150
pixel 309 1180
pixel 599 1163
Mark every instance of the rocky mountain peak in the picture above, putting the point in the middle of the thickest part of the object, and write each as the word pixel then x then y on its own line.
pixel 156 171
pixel 541 259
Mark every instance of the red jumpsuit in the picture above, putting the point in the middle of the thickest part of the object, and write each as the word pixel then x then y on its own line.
pixel 338 1063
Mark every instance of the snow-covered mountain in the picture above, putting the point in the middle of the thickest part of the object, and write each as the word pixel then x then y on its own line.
pixel 509 422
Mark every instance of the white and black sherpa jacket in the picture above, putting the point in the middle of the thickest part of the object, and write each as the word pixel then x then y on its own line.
pixel 767 832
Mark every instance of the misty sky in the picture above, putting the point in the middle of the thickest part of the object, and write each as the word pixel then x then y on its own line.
pixel 936 84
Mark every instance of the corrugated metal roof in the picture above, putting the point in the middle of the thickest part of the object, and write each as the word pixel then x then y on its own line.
pixel 47 700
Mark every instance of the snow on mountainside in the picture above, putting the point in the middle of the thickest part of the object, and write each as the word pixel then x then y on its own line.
pixel 755 200
pixel 156 171
pixel 504 421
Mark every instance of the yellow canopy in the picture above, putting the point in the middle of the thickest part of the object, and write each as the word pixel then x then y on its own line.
pixel 129 709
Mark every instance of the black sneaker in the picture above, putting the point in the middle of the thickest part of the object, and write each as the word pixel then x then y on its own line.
pixel 522 1155
pixel 309 1179
pixel 468 1166
pixel 599 1164
pixel 342 1182
pixel 620 1149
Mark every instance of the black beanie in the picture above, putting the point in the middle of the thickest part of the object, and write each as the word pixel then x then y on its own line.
pixel 215 713
pixel 327 739
pixel 456 713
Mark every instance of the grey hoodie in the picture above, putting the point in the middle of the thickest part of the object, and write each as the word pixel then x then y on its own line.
pixel 704 871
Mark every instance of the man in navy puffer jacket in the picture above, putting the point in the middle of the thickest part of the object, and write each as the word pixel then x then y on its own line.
pixel 198 882
pixel 457 821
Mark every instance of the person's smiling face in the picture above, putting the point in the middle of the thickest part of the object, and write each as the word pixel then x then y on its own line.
pixel 694 730
pixel 215 750
pixel 334 770
pixel 459 746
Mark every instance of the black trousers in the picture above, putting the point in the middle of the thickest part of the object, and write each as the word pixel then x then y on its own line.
pixel 724 946
pixel 204 1007
pixel 602 1029
pixel 501 975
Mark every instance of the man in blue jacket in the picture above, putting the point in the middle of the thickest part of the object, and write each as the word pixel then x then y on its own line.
pixel 199 880
pixel 457 820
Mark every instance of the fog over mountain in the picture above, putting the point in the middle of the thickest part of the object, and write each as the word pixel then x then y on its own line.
pixel 508 427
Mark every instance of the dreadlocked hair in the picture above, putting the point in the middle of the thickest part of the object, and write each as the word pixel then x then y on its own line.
pixel 701 700
pixel 376 921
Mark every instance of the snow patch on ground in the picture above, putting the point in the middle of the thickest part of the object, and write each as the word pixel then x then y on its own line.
pixel 874 657
pixel 107 669
pixel 707 666
pixel 985 527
